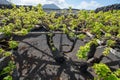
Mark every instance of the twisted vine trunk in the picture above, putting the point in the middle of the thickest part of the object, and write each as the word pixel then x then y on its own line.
pixel 57 54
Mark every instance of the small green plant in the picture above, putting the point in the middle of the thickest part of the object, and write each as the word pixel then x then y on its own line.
pixel 83 51
pixel 23 32
pixel 81 36
pixel 108 35
pixel 1 50
pixel 4 53
pixel 8 78
pixel 104 72
pixel 106 51
pixel 53 49
pixel 7 53
pixel 110 42
pixel 13 44
pixel 8 70
pixel 117 72
pixel 118 35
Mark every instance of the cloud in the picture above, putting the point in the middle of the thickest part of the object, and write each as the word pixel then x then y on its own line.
pixel 30 2
pixel 89 5
pixel 60 3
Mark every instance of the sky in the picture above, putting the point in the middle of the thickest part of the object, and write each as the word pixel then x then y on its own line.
pixel 77 4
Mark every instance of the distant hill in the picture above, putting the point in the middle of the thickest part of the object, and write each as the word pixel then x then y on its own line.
pixel 50 6
pixel 4 2
pixel 109 7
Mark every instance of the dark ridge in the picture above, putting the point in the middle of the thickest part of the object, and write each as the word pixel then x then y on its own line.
pixel 109 7
pixel 4 6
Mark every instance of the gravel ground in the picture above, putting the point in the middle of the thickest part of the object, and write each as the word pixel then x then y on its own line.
pixel 35 62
